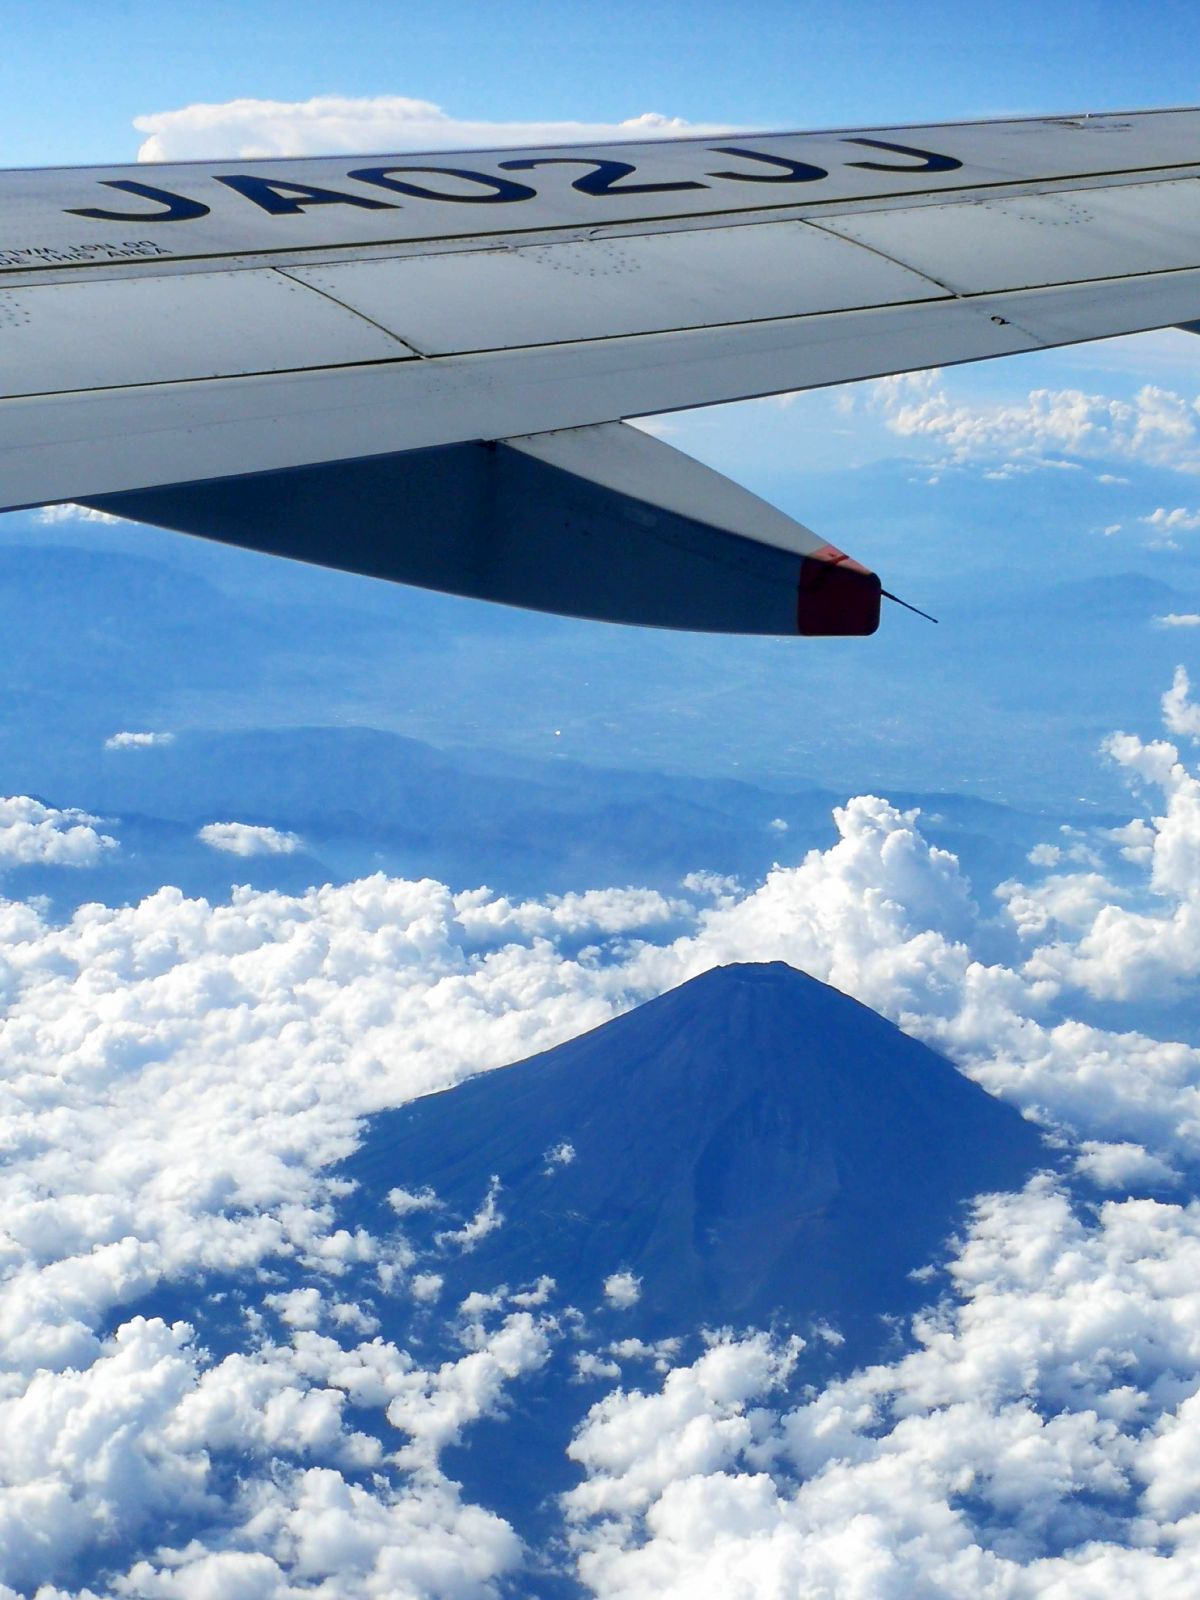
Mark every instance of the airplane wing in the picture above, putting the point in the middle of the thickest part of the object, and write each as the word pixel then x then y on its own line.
pixel 422 367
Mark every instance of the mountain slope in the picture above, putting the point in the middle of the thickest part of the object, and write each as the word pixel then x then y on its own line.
pixel 753 1143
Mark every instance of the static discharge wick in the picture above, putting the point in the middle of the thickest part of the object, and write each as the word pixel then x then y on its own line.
pixel 888 595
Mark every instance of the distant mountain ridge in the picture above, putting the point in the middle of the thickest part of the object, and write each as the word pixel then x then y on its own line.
pixel 120 627
pixel 364 800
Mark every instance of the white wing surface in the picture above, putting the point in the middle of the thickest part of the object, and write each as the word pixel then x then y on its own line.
pixel 411 365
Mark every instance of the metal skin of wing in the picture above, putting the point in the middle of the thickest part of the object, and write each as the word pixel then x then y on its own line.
pixel 421 366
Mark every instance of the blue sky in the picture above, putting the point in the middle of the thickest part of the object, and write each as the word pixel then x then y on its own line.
pixel 73 76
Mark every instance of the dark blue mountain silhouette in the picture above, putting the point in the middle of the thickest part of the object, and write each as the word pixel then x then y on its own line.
pixel 755 1147
pixel 752 1144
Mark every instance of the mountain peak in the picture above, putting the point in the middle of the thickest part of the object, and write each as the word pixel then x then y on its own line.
pixel 751 1144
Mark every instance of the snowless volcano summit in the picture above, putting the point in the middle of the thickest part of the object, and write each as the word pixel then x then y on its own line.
pixel 753 1145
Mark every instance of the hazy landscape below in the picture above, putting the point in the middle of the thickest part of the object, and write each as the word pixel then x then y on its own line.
pixel 1046 642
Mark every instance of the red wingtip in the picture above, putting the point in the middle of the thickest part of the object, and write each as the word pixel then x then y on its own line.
pixel 837 595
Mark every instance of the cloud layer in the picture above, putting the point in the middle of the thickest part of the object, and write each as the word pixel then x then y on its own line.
pixel 33 833
pixel 180 1075
pixel 333 124
pixel 1156 427
pixel 130 740
pixel 248 838
pixel 1041 1441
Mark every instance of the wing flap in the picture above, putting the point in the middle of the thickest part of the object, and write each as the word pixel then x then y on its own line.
pixel 501 299
pixel 989 246
pixel 70 446
pixel 67 447
pixel 114 333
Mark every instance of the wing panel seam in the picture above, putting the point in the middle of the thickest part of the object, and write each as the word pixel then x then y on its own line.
pixel 342 305
pixel 459 357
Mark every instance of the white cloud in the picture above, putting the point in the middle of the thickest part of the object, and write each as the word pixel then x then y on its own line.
pixel 1181 714
pixel 660 1354
pixel 92 1459
pixel 1045 855
pixel 299 1308
pixel 486 915
pixel 622 1289
pixel 634 1445
pixel 1151 948
pixel 333 124
pixel 249 839
pixel 486 1220
pixel 434 1412
pixel 536 1295
pixel 32 833
pixel 1158 426
pixel 343 1538
pixel 404 1201
pixel 1165 524
pixel 1178 619
pixel 716 885
pixel 1123 1166
pixel 1043 1439
pixel 138 741
pixel 67 511
pixel 587 1366
pixel 1067 901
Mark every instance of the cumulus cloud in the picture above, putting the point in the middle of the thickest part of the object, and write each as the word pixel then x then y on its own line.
pixel 35 834
pixel 343 1538
pixel 622 1289
pixel 67 511
pixel 635 1445
pixel 1158 427
pixel 1178 619
pixel 594 911
pixel 333 124
pixel 1166 524
pixel 1151 947
pixel 405 1201
pixel 1122 1165
pixel 717 885
pixel 180 1075
pixel 486 1220
pixel 249 839
pixel 559 1155
pixel 138 741
pixel 131 1447
pixel 1042 1440
pixel 1180 713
